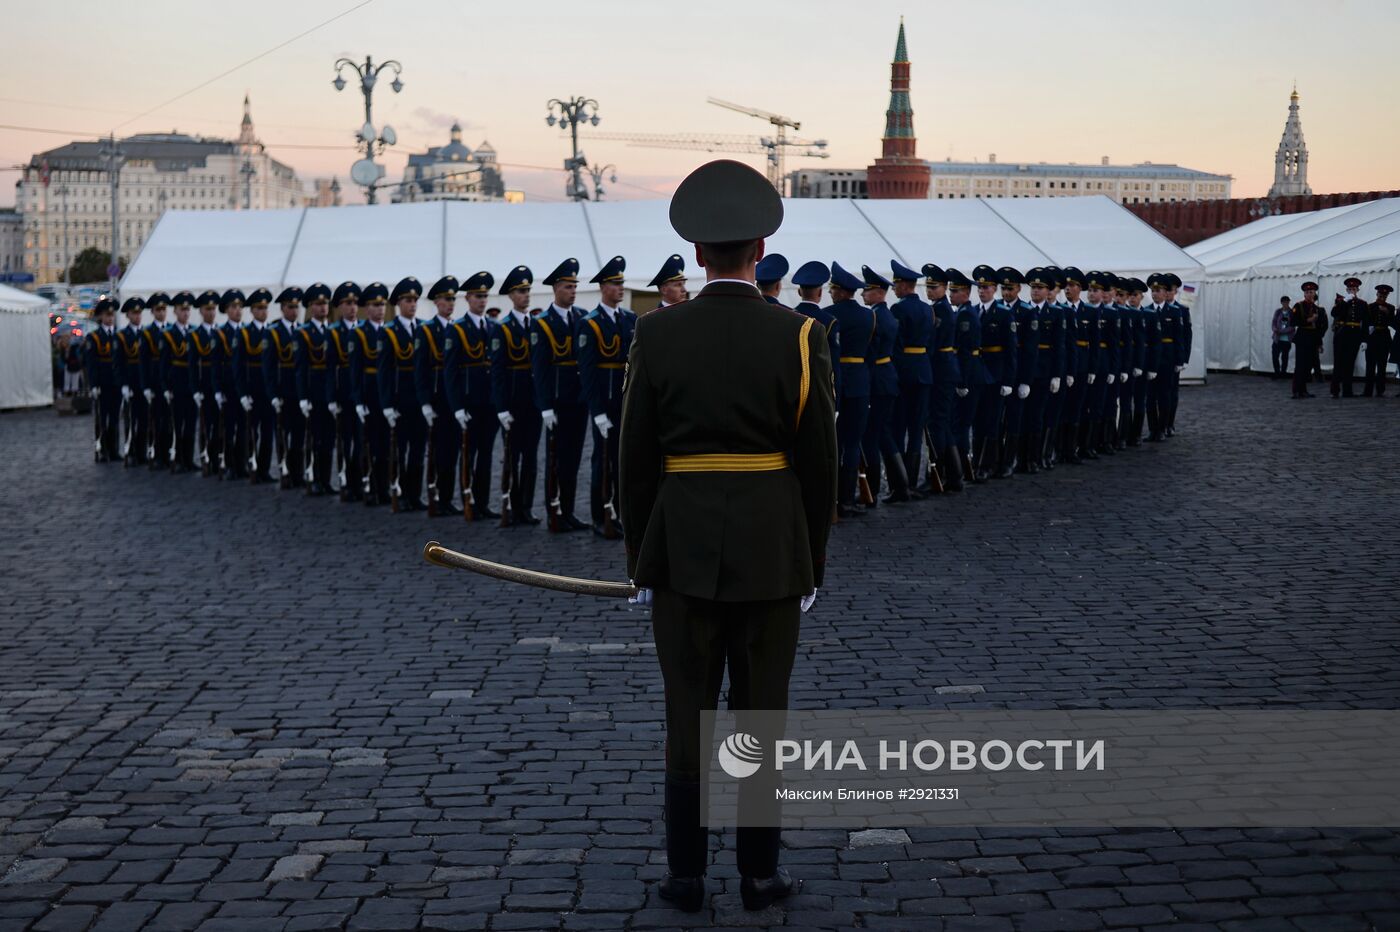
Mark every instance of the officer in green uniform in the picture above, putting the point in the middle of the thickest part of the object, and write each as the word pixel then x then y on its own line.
pixel 728 482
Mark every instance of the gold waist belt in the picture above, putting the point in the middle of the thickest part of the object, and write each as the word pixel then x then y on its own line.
pixel 915 350
pixel 727 462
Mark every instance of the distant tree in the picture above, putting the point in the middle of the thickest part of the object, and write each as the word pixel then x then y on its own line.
pixel 90 265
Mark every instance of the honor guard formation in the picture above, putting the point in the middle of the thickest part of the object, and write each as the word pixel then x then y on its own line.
pixel 1355 325
pixel 357 397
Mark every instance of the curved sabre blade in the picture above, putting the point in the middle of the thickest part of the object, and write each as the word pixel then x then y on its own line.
pixel 438 555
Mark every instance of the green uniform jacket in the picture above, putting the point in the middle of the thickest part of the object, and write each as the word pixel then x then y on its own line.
pixel 722 373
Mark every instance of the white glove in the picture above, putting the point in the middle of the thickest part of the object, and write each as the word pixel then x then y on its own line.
pixel 1122 376
pixel 96 392
pixel 199 398
pixel 962 392
pixel 429 414
pixel 642 597
pixel 549 419
pixel 1091 378
pixel 277 405
pixel 1151 376
pixel 1069 381
pixel 462 419
pixel 126 391
pixel 305 406
pixel 247 402
pixel 604 425
pixel 1023 391
pixel 1054 385
pixel 150 395
pixel 1112 378
pixel 333 407
pixel 1005 390
pixel 1137 373
pixel 807 601
pixel 505 419
pixel 219 398
pixel 362 411
pixel 391 415
pixel 169 395
pixel 1179 368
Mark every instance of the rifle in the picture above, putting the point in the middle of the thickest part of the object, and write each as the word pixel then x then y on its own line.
pixel 466 471
pixel 151 431
pixel 252 440
pixel 432 469
pixel 609 509
pixel 308 453
pixel 284 481
pixel 170 406
pixel 393 468
pixel 125 418
pixel 935 481
pixel 223 445
pixel 864 494
pixel 551 483
pixel 365 462
pixel 340 456
pixel 96 427
pixel 507 485
pixel 203 443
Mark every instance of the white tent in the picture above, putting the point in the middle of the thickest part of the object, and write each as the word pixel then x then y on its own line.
pixel 26 376
pixel 194 250
pixel 1249 268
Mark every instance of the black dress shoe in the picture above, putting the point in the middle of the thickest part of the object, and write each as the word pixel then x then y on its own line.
pixel 408 504
pixel 761 894
pixel 485 514
pixel 447 509
pixel 572 523
pixel 688 893
pixel 527 518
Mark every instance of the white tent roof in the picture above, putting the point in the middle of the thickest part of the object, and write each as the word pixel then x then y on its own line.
pixel 195 250
pixel 1351 238
pixel 13 299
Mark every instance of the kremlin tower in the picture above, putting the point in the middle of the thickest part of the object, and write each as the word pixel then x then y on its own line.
pixel 899 172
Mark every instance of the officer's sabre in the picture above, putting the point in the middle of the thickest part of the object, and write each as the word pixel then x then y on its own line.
pixel 438 555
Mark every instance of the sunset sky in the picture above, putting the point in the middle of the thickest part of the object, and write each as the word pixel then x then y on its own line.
pixel 1202 83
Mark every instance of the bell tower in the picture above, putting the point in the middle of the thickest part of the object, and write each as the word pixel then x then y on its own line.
pixel 899 172
pixel 1291 159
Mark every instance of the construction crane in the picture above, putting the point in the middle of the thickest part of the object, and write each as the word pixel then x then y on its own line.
pixel 773 148
pixel 781 125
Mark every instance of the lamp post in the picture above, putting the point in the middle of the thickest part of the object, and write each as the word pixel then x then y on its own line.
pixel 598 171
pixel 367 172
pixel 568 114
pixel 114 156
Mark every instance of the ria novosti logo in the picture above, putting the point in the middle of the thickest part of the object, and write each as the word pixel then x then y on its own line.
pixel 740 755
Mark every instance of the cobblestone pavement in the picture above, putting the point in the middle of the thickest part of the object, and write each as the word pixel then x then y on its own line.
pixel 225 707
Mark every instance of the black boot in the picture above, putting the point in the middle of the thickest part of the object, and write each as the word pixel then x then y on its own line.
pixel 899 480
pixel 911 462
pixel 981 458
pixel 1088 439
pixel 1069 444
pixel 1047 449
pixel 1006 456
pixel 952 469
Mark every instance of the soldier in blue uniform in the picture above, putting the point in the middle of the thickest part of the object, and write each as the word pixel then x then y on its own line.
pixel 250 387
pixel 1047 372
pixel 513 395
pixel 1127 357
pixel 177 378
pixel 1104 374
pixel 878 444
pixel 280 374
pixel 365 362
pixel 235 425
pixel 809 279
pixel 670 281
pixel 999 363
pixel 855 328
pixel 1136 396
pixel 559 396
pixel 158 435
pixel 345 302
pixel 604 340
pixel 1182 316
pixel 100 361
pixel 1014 441
pixel 314 388
pixel 469 392
pixel 129 377
pixel 947 376
pixel 399 396
pixel 914 368
pixel 1169 326
pixel 1077 354
pixel 206 361
pixel 968 349
pixel 430 384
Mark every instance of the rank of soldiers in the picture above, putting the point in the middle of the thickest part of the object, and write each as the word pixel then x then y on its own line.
pixel 362 399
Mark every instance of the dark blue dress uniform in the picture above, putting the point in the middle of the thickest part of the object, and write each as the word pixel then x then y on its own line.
pixel 947 380
pixel 397 392
pixel 1183 352
pixel 604 340
pixel 914 367
pixel 814 274
pixel 554 364
pixel 348 439
pixel 1136 395
pixel 235 438
pixel 999 348
pixel 877 443
pixel 1151 363
pixel 974 378
pixel 1169 318
pixel 206 361
pixel 100 361
pixel 368 357
pixel 468 369
pixel 513 393
pixel 856 330
pixel 1014 451
pixel 1048 379
pixel 177 377
pixel 315 388
pixel 430 382
pixel 129 375
pixel 160 436
pixel 280 376
pixel 250 355
pixel 1104 364
pixel 1077 354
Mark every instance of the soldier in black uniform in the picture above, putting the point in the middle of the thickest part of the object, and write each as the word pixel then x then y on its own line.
pixel 728 481
pixel 205 363
pixel 100 360
pixel 554 365
pixel 1348 318
pixel 469 391
pixel 235 425
pixel 315 388
pixel 280 374
pixel 345 302
pixel 365 362
pixel 177 377
pixel 1310 325
pixel 158 436
pixel 430 381
pixel 513 394
pixel 1380 319
pixel 399 395
pixel 250 356
pixel 604 336
pixel 129 376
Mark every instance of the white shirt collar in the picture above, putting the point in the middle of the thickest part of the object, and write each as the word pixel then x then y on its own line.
pixel 320 324
pixel 521 317
pixel 376 324
pixel 611 312
pixel 564 312
pixel 731 281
